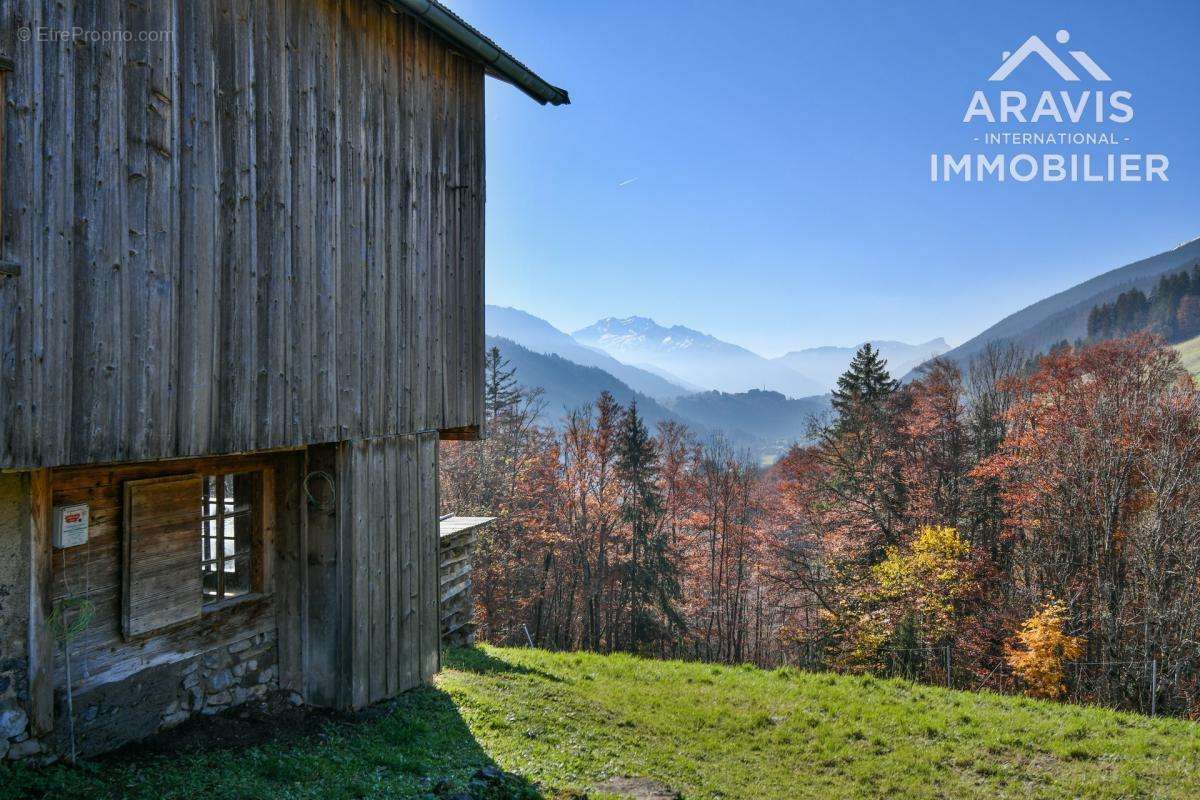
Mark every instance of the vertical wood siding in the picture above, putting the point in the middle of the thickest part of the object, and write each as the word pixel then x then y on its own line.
pixel 372 588
pixel 261 229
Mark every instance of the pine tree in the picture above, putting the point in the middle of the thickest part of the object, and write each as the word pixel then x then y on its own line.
pixel 651 574
pixel 501 393
pixel 865 382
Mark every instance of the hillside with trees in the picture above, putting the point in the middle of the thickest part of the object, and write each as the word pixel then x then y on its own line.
pixel 539 336
pixel 1063 316
pixel 1021 526
pixel 1171 310
pixel 769 418
pixel 762 423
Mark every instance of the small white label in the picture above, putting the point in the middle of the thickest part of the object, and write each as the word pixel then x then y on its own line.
pixel 70 526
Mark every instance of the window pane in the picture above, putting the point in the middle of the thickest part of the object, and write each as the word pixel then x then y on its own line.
pixel 211 579
pixel 208 505
pixel 239 495
pixel 226 537
pixel 208 543
pixel 241 532
pixel 237 582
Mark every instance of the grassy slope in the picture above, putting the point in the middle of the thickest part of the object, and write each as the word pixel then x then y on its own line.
pixel 1189 353
pixel 566 721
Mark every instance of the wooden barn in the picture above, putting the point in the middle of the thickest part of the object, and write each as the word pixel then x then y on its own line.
pixel 241 299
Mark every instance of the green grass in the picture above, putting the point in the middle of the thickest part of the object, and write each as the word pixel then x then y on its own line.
pixel 565 722
pixel 1189 354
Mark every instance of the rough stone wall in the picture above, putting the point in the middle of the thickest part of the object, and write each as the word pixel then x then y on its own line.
pixel 14 615
pixel 161 697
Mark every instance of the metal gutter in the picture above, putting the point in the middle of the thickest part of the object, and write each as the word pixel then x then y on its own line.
pixel 497 62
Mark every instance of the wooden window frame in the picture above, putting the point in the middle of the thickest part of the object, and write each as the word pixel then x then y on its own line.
pixel 261 519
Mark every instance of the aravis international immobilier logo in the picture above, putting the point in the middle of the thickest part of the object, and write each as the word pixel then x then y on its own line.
pixel 1059 134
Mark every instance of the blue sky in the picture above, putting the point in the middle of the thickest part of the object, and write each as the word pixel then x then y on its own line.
pixel 781 155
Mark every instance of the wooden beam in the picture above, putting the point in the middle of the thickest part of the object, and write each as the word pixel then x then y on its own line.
pixel 41 643
pixel 289 576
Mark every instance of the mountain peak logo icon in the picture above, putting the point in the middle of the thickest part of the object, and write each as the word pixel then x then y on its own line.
pixel 1034 45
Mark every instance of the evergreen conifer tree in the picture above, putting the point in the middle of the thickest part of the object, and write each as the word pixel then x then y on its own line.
pixel 865 382
pixel 500 392
pixel 652 580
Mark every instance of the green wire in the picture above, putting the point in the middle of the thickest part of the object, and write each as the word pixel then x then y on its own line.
pixel 64 627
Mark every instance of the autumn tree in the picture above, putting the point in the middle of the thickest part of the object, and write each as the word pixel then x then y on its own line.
pixel 915 601
pixel 1041 649
pixel 1100 474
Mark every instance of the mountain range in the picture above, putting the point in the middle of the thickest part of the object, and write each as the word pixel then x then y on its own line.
pixel 695 357
pixel 540 336
pixel 763 404
pixel 1063 316
pixel 680 375
pixel 764 423
pixel 826 364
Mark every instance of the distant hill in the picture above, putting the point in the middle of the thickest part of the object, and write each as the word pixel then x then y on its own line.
pixel 772 420
pixel 694 356
pixel 1063 316
pixel 826 364
pixel 765 423
pixel 540 336
pixel 567 386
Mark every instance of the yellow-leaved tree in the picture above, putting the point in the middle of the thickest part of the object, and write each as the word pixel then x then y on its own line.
pixel 917 592
pixel 1041 649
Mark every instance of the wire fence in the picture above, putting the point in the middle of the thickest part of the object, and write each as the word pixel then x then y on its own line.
pixel 1138 685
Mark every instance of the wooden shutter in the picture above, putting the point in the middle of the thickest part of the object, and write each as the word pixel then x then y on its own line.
pixel 161 573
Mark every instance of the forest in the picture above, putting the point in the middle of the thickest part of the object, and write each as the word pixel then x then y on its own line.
pixel 1025 525
pixel 1172 310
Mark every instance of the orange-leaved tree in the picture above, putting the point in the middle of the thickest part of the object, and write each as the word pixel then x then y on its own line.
pixel 1041 651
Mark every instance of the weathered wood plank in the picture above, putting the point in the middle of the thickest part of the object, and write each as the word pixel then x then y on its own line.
pixel 290 574
pixel 101 235
pixel 324 665
pixel 395 567
pixel 260 230
pixel 41 644
pixel 276 291
pixel 410 518
pixel 57 174
pixel 237 178
pixel 153 256
pixel 359 569
pixel 326 216
pixel 199 327
pixel 377 483
pixel 352 176
pixel 427 614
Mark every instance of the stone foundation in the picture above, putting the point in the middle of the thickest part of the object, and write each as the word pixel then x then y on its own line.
pixel 161 697
pixel 14 612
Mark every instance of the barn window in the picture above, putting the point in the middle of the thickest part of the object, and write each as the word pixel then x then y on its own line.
pixel 230 514
pixel 166 578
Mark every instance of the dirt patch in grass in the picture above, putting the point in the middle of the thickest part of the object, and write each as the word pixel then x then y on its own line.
pixel 274 718
pixel 637 789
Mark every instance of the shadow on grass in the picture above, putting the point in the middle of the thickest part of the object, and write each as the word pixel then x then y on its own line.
pixel 414 746
pixel 471 659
